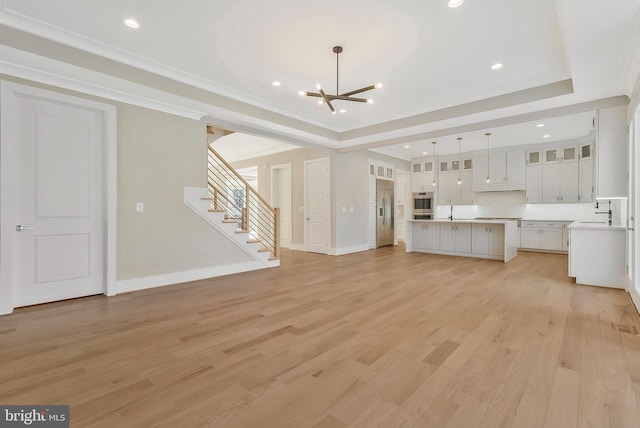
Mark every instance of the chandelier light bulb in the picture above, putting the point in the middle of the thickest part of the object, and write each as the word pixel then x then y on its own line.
pixel 378 85
pixel 455 3
pixel 488 179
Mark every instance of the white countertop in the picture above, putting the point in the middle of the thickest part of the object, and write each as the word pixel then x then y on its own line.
pixel 465 220
pixel 591 225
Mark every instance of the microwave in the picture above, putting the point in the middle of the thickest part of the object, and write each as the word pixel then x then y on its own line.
pixel 422 203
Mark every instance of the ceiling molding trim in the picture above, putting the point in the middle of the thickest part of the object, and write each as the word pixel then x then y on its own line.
pixel 241 101
pixel 48 78
pixel 620 100
pixel 250 129
pixel 537 93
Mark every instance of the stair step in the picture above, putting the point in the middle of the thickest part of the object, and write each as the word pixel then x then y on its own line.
pixel 206 199
pixel 254 241
pixel 263 250
pixel 231 221
pixel 242 231
pixel 271 259
pixel 211 210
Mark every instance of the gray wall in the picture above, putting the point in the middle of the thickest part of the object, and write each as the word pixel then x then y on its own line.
pixel 349 188
pixel 296 158
pixel 158 155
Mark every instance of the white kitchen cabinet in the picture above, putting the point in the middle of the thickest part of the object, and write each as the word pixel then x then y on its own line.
pixel 497 240
pixel 597 254
pixel 569 184
pixel 426 236
pixel 443 185
pixel 487 239
pixel 506 168
pixel 560 182
pixel 565 236
pixel 585 172
pixel 422 174
pixel 455 237
pixel 611 152
pixel 551 182
pixel 542 235
pixel 534 184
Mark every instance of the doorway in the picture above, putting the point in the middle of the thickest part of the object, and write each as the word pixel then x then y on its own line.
pixel 281 198
pixel 317 205
pixel 57 197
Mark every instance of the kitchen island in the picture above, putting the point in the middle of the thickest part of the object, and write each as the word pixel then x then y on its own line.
pixel 488 239
pixel 597 254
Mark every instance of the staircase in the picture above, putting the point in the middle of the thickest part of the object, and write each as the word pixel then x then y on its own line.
pixel 236 209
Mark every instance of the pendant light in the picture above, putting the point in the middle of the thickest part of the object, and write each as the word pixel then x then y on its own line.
pixel 459 163
pixel 488 134
pixel 434 163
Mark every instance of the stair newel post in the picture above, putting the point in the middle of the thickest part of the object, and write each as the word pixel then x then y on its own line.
pixel 245 217
pixel 276 232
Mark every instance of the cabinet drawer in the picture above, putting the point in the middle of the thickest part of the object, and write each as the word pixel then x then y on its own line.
pixel 530 224
pixel 551 224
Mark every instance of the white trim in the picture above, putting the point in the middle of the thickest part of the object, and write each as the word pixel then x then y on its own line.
pixel 298 247
pixel 288 167
pixel 635 298
pixel 348 250
pixel 135 284
pixel 7 221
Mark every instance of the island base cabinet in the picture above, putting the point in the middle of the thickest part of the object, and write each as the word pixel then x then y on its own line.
pixel 426 236
pixel 495 241
pixel 487 239
pixel 455 237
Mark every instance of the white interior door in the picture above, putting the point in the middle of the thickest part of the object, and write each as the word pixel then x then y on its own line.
pixel 56 195
pixel 317 205
pixel 281 198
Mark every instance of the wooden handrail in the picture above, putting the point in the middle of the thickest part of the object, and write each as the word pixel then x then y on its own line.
pixel 224 162
pixel 223 179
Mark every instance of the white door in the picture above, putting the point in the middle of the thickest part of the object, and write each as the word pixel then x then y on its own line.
pixel 317 190
pixel 281 198
pixel 56 192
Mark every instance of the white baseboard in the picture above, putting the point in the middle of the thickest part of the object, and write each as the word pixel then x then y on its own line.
pixel 134 284
pixel 297 247
pixel 348 250
pixel 635 297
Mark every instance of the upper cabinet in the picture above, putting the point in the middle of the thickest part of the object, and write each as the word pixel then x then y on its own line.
pixel 455 180
pixel 611 146
pixel 504 168
pixel 560 174
pixel 422 174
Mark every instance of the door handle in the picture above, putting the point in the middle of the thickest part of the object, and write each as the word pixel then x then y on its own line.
pixel 20 228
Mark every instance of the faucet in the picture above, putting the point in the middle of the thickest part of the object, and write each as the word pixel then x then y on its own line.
pixel 606 212
pixel 451 216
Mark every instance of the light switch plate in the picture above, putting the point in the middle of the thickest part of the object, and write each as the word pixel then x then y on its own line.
pixel 139 207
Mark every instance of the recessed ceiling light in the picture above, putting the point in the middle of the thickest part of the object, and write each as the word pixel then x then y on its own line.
pixel 275 83
pixel 369 101
pixel 302 93
pixel 540 125
pixel 424 153
pixel 455 3
pixel 496 66
pixel 131 23
pixel 343 110
pixel 407 146
pixel 546 136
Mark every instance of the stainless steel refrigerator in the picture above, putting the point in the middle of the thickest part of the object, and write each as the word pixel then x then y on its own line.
pixel 384 213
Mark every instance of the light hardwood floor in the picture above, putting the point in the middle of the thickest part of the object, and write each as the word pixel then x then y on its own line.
pixel 374 339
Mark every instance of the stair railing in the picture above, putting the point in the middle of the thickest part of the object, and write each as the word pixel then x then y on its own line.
pixel 231 194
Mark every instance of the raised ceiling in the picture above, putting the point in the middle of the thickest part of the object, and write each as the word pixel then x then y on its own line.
pixel 218 59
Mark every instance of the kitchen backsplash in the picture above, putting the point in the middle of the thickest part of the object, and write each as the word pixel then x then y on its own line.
pixel 513 204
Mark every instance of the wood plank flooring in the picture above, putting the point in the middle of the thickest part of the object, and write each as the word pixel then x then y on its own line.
pixel 374 339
